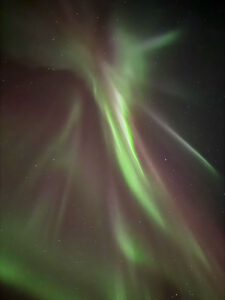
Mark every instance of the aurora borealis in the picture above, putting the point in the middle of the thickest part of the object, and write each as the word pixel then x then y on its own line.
pixel 110 126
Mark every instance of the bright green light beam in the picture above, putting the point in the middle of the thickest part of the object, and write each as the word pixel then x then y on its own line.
pixel 185 144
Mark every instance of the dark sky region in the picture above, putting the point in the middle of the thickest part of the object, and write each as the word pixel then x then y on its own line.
pixel 99 202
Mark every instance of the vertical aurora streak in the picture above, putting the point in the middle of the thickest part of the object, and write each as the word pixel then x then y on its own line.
pixel 91 213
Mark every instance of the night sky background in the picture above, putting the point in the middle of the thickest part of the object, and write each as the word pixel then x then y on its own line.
pixel 72 246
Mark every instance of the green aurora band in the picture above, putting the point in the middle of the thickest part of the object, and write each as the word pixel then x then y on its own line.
pixel 113 86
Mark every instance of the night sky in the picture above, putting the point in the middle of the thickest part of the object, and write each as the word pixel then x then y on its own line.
pixel 112 150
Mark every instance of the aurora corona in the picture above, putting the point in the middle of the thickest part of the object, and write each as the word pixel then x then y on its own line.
pixel 91 216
